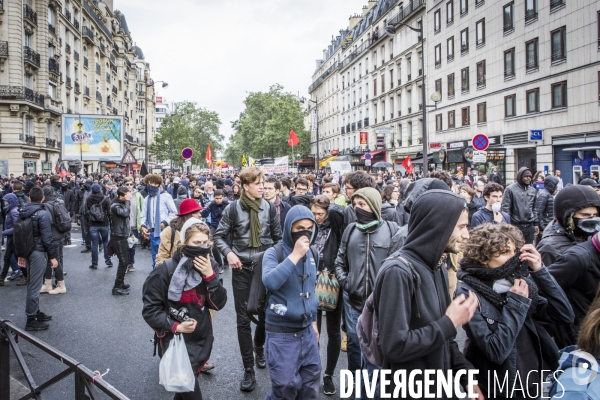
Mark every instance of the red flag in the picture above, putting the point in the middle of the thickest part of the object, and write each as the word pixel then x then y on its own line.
pixel 209 158
pixel 293 139
pixel 63 171
pixel 407 164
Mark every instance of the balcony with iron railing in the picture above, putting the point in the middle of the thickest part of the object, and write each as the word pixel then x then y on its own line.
pixel 128 63
pixel 359 125
pixel 68 15
pixel 68 82
pixel 366 121
pixel 67 48
pixel 98 96
pixel 51 29
pixel 129 138
pixel 29 14
pixel 108 102
pixel 321 78
pixel 125 117
pixel 76 55
pixel 108 77
pixel 114 111
pixel 114 90
pixel 76 23
pixel 31 56
pixel 141 93
pixel 87 34
pixel 21 93
pixel 86 91
pixel 450 58
pixel 53 66
pixel 3 48
pixel 113 67
pixel 51 142
pixel 531 65
pixel 30 140
pixel 406 11
pixel 77 87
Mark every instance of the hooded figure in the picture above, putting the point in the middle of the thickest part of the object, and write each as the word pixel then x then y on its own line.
pixel 519 203
pixel 561 235
pixel 414 331
pixel 544 205
pixel 182 194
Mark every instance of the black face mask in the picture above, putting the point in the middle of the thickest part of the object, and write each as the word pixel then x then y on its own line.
pixel 298 235
pixel 587 228
pixel 364 217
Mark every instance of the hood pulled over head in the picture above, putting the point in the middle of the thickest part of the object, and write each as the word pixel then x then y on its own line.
pixel 573 198
pixel 418 188
pixel 520 174
pixel 295 214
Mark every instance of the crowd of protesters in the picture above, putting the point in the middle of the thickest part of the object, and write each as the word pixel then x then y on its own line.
pixel 517 266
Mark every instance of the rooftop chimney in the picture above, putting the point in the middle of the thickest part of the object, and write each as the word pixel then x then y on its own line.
pixel 365 10
pixel 353 20
pixel 372 3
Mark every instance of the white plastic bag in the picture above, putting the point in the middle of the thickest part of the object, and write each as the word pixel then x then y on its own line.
pixel 175 370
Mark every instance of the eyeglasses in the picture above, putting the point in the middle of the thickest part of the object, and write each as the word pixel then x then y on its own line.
pixel 129 184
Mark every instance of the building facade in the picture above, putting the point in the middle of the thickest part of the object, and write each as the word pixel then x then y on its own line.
pixel 510 70
pixel 67 57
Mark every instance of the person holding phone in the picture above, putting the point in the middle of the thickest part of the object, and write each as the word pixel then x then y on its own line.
pixel 186 280
pixel 516 296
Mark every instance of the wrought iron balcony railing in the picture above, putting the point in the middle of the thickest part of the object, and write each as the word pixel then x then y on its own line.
pixel 31 56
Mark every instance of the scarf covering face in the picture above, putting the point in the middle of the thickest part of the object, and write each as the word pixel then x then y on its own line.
pixel 255 227
pixel 476 276
pixel 153 191
pixel 186 277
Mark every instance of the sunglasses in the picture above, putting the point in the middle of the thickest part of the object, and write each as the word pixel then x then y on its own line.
pixel 129 184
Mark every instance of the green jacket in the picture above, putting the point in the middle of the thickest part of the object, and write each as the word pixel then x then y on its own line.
pixel 341 200
pixel 137 201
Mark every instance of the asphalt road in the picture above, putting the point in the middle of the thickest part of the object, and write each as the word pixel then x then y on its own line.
pixel 106 332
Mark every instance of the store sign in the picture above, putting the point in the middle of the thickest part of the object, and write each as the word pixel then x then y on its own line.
pixel 314 120
pixel 536 135
pixel 384 130
pixel 31 155
pixel 435 145
pixel 456 145
pixel 439 157
pixel 496 155
pixel 364 137
pixel 468 154
pixel 479 156
pixel 380 141
pixel 159 99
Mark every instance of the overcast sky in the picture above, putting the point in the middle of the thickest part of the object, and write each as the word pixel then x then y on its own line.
pixel 214 52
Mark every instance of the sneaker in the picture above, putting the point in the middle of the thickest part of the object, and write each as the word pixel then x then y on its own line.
pixel 36 325
pixel 126 286
pixel 260 357
pixel 93 267
pixel 120 291
pixel 109 264
pixel 86 250
pixel 130 268
pixel 43 317
pixel 22 282
pixel 15 275
pixel 248 383
pixel 207 367
pixel 328 386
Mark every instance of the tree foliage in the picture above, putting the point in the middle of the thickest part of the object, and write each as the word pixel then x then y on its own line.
pixel 187 126
pixel 263 128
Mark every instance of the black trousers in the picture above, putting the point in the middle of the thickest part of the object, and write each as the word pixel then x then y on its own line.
pixel 334 336
pixel 121 249
pixel 528 232
pixel 240 281
pixel 195 395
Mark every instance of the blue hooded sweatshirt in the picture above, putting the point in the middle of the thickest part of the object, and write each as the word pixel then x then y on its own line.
pixel 284 280
pixel 12 215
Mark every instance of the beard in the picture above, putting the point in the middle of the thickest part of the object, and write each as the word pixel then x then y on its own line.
pixel 454 245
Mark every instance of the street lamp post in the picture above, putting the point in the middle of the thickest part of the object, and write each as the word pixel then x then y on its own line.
pixel 164 86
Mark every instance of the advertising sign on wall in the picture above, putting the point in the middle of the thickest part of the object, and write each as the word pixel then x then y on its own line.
pixel 364 137
pixel 92 137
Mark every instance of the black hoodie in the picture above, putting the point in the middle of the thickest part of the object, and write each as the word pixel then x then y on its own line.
pixel 414 331
pixel 519 201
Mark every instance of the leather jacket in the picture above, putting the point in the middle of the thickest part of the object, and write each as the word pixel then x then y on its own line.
pixel 119 218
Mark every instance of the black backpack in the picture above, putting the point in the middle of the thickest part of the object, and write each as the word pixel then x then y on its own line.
pixel 23 241
pixel 61 219
pixel 96 212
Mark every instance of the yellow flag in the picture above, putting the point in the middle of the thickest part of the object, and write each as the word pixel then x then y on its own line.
pixel 244 161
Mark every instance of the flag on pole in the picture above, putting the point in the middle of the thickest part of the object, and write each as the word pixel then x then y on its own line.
pixel 244 161
pixel 209 157
pixel 407 164
pixel 293 139
pixel 57 166
pixel 62 170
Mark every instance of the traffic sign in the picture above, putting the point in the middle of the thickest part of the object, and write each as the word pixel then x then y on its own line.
pixel 367 162
pixel 128 158
pixel 480 142
pixel 368 156
pixel 479 156
pixel 187 153
pixel 536 135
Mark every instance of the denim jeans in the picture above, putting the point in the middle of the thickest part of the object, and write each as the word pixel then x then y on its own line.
pixel 154 243
pixel 353 348
pixel 97 232
pixel 9 259
pixel 294 364
pixel 136 234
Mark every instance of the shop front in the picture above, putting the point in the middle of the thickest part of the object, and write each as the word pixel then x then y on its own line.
pixel 577 159
pixel 308 162
pixel 461 156
pixel 372 157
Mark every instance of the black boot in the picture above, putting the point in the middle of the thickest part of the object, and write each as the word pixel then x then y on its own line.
pixel 248 383
pixel 34 325
pixel 260 357
pixel 43 317
pixel 119 289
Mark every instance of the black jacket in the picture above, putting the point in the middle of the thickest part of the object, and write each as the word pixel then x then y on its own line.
pixel 519 201
pixel 555 241
pixel 493 332
pixel 42 227
pixel 98 198
pixel 544 205
pixel 119 218
pixel 414 331
pixel 22 198
pixel 388 213
pixel 577 272
pixel 330 250
pixel 155 295
pixel 50 203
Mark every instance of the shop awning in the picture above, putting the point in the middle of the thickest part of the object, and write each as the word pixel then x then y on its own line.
pixel 324 161
pixel 419 160
pixel 372 153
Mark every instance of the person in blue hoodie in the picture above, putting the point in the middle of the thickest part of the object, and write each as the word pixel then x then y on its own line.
pixel 11 206
pixel 292 344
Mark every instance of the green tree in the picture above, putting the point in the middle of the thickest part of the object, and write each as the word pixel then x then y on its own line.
pixel 263 128
pixel 187 126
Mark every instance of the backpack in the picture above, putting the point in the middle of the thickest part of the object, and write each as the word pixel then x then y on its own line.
pixel 61 219
pixel 367 327
pixel 59 195
pixel 566 387
pixel 23 241
pixel 96 212
pixel 258 295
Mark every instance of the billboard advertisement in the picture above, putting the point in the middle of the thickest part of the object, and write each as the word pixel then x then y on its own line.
pixel 364 137
pixel 92 137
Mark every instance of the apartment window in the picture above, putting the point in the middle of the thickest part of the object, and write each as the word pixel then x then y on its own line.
pixel 437 21
pixel 531 54
pixel 556 3
pixel 479 3
pixel 450 48
pixel 481 113
pixel 508 17
pixel 52 91
pixel 533 100
pixel 464 79
pixel 464 40
pixel 450 85
pixel 530 10
pixel 464 7
pixel 509 63
pixel 438 86
pixel 466 120
pixel 480 32
pixel 559 44
pixel 391 78
pixel 29 126
pixel 510 109
pixel 451 119
pixel 49 132
pixel 374 87
pixel 438 122
pixel 29 81
pixel 559 95
pixel 438 55
pixel 449 12
pixel 27 39
pixel 481 73
pixel 382 83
